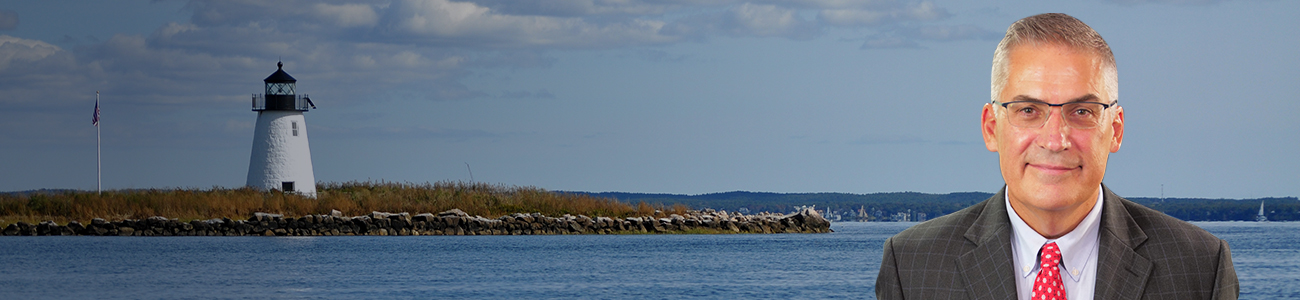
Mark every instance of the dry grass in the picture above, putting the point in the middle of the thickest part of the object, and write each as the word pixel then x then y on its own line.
pixel 351 198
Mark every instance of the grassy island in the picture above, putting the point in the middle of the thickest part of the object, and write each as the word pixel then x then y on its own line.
pixel 350 198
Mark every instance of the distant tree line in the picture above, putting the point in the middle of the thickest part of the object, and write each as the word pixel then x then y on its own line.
pixel 879 206
pixel 1196 209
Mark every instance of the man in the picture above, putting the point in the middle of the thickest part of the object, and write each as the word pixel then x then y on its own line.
pixel 1055 231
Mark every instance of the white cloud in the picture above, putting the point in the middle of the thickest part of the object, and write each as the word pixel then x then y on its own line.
pixel 561 24
pixel 745 20
pixel 35 74
pixel 447 23
pixel 578 8
pixel 923 11
pixel 23 50
pixel 348 15
pixel 769 20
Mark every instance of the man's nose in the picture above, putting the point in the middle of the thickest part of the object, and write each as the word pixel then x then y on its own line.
pixel 1053 135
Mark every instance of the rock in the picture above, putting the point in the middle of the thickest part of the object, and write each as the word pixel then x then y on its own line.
pixel 47 228
pixel 814 220
pixel 265 217
pixel 76 227
pixel 659 224
pixel 450 222
pixel 398 222
pixel 156 221
pixel 585 221
pixel 575 226
pixel 455 212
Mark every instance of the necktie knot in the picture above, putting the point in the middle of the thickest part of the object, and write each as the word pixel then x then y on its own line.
pixel 1048 284
pixel 1050 256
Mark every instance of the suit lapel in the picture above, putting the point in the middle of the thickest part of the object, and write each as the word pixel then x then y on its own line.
pixel 988 269
pixel 1121 272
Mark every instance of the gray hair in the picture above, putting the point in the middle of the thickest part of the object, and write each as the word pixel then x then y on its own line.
pixel 1054 29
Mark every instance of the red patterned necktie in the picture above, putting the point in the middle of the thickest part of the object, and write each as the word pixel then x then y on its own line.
pixel 1048 285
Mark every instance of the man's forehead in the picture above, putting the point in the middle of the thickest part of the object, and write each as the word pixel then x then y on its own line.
pixel 1039 72
pixel 1058 57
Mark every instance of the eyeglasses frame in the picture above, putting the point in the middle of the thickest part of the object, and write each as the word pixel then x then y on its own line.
pixel 1104 106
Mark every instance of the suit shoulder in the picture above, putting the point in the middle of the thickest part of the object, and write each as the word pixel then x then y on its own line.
pixel 1164 231
pixel 947 227
pixel 1186 261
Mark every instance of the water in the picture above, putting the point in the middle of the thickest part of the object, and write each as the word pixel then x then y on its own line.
pixel 1265 255
pixel 825 266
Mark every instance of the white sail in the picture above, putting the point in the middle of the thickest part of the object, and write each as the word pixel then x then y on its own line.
pixel 1260 217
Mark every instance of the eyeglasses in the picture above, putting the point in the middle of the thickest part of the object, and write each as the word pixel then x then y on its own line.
pixel 1033 114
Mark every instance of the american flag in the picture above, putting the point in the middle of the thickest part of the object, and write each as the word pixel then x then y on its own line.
pixel 96 119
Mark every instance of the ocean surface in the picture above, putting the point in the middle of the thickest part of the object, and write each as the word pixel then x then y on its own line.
pixel 838 265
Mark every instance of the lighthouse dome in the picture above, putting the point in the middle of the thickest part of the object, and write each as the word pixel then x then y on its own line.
pixel 279 76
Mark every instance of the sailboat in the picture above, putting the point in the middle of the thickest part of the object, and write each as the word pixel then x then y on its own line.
pixel 1260 217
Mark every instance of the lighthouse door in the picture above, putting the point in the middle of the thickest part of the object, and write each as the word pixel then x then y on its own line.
pixel 286 186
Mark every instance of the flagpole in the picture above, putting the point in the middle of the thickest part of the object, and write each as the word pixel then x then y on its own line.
pixel 99 171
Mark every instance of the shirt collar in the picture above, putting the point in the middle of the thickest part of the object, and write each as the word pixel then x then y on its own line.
pixel 1078 247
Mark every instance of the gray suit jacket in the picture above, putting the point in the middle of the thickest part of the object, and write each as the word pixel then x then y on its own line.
pixel 1144 254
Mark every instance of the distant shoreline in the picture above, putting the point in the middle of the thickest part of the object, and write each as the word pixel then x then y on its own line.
pixel 358 198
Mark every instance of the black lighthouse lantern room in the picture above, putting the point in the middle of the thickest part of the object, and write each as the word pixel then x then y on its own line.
pixel 280 94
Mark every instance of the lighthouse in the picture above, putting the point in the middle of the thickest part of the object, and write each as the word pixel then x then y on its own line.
pixel 281 158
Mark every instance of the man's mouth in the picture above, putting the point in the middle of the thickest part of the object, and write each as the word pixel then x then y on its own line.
pixel 1053 169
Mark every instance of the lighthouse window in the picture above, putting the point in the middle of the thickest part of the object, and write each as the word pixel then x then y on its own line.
pixel 279 88
pixel 286 186
pixel 295 128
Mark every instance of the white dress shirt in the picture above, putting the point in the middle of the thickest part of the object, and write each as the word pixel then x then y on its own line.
pixel 1079 249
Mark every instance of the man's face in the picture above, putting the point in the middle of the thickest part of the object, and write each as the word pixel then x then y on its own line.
pixel 1054 167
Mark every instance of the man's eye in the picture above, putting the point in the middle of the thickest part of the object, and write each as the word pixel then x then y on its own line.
pixel 1027 110
pixel 1083 112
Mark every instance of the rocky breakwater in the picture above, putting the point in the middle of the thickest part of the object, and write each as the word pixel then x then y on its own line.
pixel 452 222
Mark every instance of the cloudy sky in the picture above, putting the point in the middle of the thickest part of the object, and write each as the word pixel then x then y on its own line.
pixel 665 96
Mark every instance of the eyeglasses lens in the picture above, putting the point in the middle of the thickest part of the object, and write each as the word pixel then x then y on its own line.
pixel 1081 115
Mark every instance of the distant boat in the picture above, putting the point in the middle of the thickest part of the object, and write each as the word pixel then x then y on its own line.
pixel 1260 217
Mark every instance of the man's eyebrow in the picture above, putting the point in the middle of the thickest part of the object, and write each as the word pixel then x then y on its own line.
pixel 1084 98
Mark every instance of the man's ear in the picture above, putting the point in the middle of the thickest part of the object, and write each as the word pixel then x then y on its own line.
pixel 989 125
pixel 1117 128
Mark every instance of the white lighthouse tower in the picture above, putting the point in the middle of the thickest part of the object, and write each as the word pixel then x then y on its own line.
pixel 281 157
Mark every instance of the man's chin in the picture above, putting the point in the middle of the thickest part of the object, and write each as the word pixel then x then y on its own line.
pixel 1050 196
